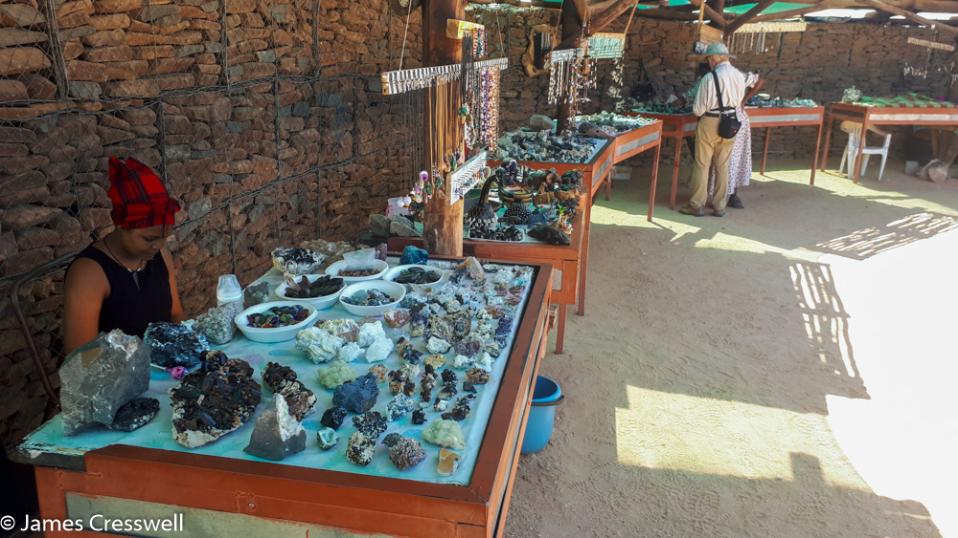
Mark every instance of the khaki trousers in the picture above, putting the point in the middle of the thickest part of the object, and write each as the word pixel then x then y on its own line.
pixel 710 150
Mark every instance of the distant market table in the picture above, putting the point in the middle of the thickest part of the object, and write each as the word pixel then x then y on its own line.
pixel 594 172
pixel 221 491
pixel 634 142
pixel 770 117
pixel 567 260
pixel 676 127
pixel 868 116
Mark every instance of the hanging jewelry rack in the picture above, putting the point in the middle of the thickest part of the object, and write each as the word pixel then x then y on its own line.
pixel 395 82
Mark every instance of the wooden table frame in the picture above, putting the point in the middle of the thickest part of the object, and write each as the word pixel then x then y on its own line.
pixel 771 117
pixel 873 115
pixel 632 143
pixel 675 127
pixel 594 173
pixel 567 259
pixel 359 503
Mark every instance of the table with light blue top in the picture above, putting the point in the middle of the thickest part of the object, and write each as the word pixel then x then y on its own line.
pixel 492 431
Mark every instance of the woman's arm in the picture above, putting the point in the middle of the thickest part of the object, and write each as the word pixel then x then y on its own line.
pixel 759 84
pixel 86 287
pixel 177 312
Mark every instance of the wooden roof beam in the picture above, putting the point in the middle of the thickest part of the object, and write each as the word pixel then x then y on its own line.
pixel 710 13
pixel 747 16
pixel 607 17
pixel 937 25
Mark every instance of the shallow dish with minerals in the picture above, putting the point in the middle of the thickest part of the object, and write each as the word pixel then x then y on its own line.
pixel 425 276
pixel 358 272
pixel 275 321
pixel 371 298
pixel 314 290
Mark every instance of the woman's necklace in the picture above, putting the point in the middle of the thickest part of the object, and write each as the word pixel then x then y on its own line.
pixel 135 273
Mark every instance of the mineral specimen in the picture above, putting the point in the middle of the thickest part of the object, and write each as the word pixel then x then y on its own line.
pixel 302 288
pixel 379 371
pixel 468 387
pixel 410 370
pixel 449 377
pixel 319 345
pixel 278 316
pixel 256 294
pixel 435 361
pixel 404 452
pixel 469 347
pixel 418 417
pixel 359 395
pixel 485 362
pixel 370 333
pixel 297 261
pixel 379 349
pixel 400 406
pixel 372 424
pixel 459 411
pixel 333 417
pixel 413 255
pixel 277 434
pixel 282 380
pixel 334 375
pixel 448 462
pixel 135 414
pixel 217 323
pixel 397 318
pixel 446 433
pixel 360 449
pixel 462 362
pixel 346 329
pixel 440 404
pixel 99 378
pixel 397 380
pixel 350 352
pixel 327 438
pixel 472 266
pixel 448 392
pixel 173 344
pixel 477 376
pixel 369 298
pixel 213 401
pixel 437 345
pixel 549 234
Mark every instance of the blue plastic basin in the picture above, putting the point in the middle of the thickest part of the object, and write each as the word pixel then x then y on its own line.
pixel 545 397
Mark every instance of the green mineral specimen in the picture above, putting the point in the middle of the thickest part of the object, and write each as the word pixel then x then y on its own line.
pixel 445 433
pixel 334 375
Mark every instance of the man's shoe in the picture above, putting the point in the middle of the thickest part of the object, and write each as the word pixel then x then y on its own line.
pixel 736 202
pixel 694 211
pixel 719 212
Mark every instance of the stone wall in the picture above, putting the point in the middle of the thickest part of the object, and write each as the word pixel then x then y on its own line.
pixel 264 117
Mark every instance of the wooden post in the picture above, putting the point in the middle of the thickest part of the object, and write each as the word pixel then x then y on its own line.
pixel 442 221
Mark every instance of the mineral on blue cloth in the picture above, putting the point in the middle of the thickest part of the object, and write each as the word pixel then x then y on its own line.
pixel 277 433
pixel 413 255
pixel 173 344
pixel 358 395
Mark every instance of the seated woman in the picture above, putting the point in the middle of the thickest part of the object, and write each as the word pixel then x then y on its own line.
pixel 125 280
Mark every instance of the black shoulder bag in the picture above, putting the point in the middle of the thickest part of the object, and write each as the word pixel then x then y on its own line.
pixel 728 121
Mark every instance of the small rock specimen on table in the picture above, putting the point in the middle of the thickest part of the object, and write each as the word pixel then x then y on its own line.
pixel 256 294
pixel 445 433
pixel 333 417
pixel 174 344
pixel 135 414
pixel 361 449
pixel 327 438
pixel 404 452
pixel 277 434
pixel 448 462
pixel 335 374
pixel 213 401
pixel 372 424
pixel 297 261
pixel 99 378
pixel 358 395
pixel 282 380
pixel 217 323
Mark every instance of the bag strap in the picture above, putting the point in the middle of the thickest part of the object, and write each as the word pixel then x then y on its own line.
pixel 718 91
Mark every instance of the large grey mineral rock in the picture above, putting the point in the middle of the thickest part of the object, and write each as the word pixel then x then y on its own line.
pixel 217 323
pixel 98 378
pixel 277 434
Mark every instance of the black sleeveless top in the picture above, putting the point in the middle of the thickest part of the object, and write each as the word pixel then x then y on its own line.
pixel 129 307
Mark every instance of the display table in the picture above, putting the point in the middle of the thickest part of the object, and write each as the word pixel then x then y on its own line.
pixel 568 260
pixel 594 172
pixel 634 142
pixel 868 116
pixel 220 490
pixel 675 127
pixel 770 117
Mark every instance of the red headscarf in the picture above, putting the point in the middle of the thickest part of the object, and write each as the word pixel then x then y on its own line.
pixel 139 198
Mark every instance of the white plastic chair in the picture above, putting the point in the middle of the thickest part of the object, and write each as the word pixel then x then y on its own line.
pixel 851 150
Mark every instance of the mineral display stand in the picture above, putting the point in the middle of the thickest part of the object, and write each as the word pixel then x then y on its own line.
pixel 240 495
pixel 940 117
pixel 634 142
pixel 770 117
pixel 675 127
pixel 594 172
pixel 566 259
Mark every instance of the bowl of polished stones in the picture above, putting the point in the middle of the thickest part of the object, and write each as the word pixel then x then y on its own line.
pixel 275 321
pixel 319 291
pixel 417 276
pixel 352 271
pixel 372 297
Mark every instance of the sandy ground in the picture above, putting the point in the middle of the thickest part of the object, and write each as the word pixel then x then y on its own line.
pixel 786 371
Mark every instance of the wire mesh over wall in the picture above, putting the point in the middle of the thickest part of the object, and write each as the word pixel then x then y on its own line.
pixel 264 117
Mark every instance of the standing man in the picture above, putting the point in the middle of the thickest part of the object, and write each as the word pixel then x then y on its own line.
pixel 710 148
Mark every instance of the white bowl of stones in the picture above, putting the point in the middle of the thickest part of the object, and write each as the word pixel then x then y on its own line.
pixel 297 261
pixel 320 291
pixel 417 276
pixel 352 271
pixel 275 321
pixel 372 298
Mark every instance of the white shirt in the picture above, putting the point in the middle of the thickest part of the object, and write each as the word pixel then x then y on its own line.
pixel 733 84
